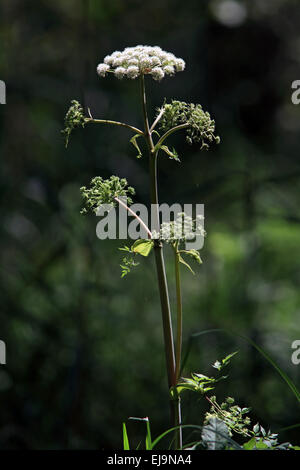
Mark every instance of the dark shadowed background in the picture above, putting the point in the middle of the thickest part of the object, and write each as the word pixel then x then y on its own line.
pixel 84 347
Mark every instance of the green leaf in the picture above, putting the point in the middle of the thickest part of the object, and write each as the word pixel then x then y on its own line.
pixel 125 438
pixel 256 428
pixel 185 386
pixel 250 444
pixel 172 154
pixel 196 384
pixel 134 143
pixel 157 133
pixel 260 445
pixel 194 254
pixel 226 360
pixel 202 378
pixel 206 389
pixel 142 247
pixel 182 261
pixel 215 434
pixel 128 262
pixel 125 248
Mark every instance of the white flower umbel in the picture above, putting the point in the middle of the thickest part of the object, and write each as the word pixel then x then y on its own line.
pixel 141 60
pixel 183 228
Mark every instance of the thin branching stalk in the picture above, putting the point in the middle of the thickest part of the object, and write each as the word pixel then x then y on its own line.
pixel 145 114
pixel 157 119
pixel 114 123
pixel 142 223
pixel 168 133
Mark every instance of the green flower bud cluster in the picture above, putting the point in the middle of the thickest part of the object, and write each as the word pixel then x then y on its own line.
pixel 104 192
pixel 200 126
pixel 74 118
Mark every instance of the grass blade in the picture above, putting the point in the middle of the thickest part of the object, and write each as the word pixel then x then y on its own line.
pixel 125 438
pixel 148 436
pixel 194 426
pixel 281 372
pixel 148 440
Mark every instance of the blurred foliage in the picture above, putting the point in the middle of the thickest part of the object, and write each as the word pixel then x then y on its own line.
pixel 84 347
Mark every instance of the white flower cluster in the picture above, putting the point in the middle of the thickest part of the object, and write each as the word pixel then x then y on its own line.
pixel 181 229
pixel 134 61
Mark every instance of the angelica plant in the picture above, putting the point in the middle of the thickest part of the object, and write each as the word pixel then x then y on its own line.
pixel 141 63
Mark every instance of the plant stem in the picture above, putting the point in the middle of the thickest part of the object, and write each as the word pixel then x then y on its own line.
pixel 169 132
pixel 157 119
pixel 179 312
pixel 161 275
pixel 178 334
pixel 142 223
pixel 115 123
pixel 145 114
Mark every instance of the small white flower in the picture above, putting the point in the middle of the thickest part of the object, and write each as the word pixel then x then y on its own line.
pixel 157 73
pixel 180 65
pixel 120 72
pixel 117 62
pixel 163 56
pixel 145 61
pixel 108 60
pixel 184 227
pixel 155 61
pixel 125 58
pixel 102 69
pixel 156 49
pixel 132 71
pixel 133 61
pixel 169 69
pixel 116 54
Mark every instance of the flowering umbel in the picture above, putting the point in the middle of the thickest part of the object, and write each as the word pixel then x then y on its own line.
pixel 181 229
pixel 74 118
pixel 200 128
pixel 105 191
pixel 141 60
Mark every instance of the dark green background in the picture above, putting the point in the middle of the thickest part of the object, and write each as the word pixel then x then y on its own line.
pixel 84 348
